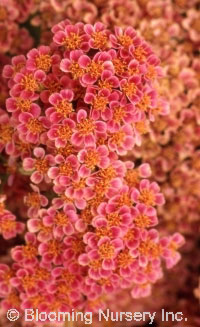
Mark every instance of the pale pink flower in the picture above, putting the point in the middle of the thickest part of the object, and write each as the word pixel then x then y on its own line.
pixel 62 106
pixel 148 194
pixel 87 129
pixel 40 165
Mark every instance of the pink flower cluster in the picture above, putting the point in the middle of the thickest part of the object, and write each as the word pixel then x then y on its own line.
pixel 76 109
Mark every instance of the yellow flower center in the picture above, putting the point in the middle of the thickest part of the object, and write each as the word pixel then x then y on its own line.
pixel 129 89
pixel 54 247
pixel 117 138
pixel 64 132
pixel 61 219
pixel 7 225
pixel 113 219
pixel 150 248
pixel 72 42
pixel 142 221
pixel 91 159
pixel 66 169
pixel 95 264
pixel 142 127
pixel 100 103
pixel 28 282
pixel 79 185
pixel 147 197
pixel 144 103
pixel 76 70
pixel 95 69
pixel 23 104
pixel 103 231
pixel 106 250
pixel 124 200
pixel 33 200
pixel 3 13
pixel 120 66
pixel 35 126
pixel 130 235
pixel 64 108
pixel 124 259
pixel 29 83
pixel 132 177
pixel 30 251
pixel 118 114
pixel 78 246
pixel 125 40
pixel 42 165
pixel 100 40
pixel 86 126
pixel 6 133
pixel 140 53
pixel 44 62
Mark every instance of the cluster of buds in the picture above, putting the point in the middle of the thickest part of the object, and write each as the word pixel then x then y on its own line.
pixel 76 110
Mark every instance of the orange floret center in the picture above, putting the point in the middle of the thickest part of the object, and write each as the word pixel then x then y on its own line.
pixel 72 42
pixel 147 197
pixel 44 62
pixel 106 250
pixel 64 108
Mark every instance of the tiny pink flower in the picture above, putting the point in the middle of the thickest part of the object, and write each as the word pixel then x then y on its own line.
pixel 40 165
pixel 148 194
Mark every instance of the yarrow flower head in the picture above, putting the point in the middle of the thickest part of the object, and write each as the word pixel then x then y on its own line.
pixel 79 104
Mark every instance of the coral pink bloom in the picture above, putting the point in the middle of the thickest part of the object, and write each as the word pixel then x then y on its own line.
pixel 132 238
pixel 40 165
pixel 17 64
pixel 6 273
pixel 34 201
pixel 62 106
pixel 72 37
pixel 170 245
pixel 78 188
pixel 142 52
pixel 106 251
pixel 52 251
pixel 108 81
pixel 148 248
pixel 27 83
pixel 19 104
pixel 94 157
pixel 87 129
pixel 41 59
pixel 70 64
pixel 94 67
pixel 31 127
pixel 123 112
pixel 26 255
pixel 132 88
pixel 117 220
pixel 143 216
pixel 65 170
pixel 61 133
pixel 148 194
pixel 122 140
pixel 6 132
pixel 98 35
pixel 36 225
pixel 123 38
pixel 74 247
pixel 61 221
pixel 9 227
pixel 25 281
pixel 99 101
pixel 142 290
